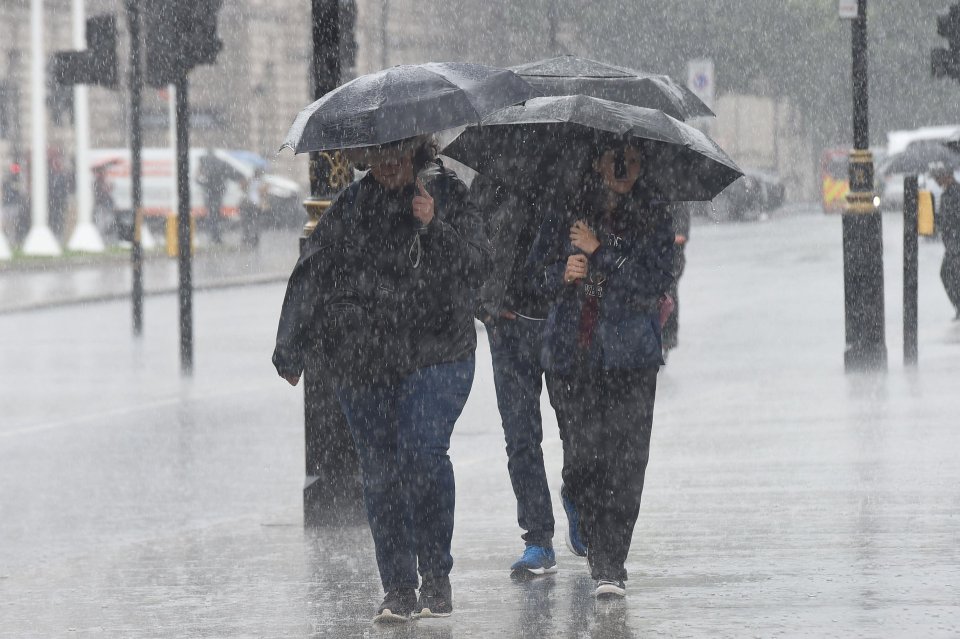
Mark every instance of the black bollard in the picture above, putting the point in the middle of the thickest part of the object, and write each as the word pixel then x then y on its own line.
pixel 910 265
pixel 332 490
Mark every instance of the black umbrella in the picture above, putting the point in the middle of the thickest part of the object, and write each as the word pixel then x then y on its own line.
pixel 953 141
pixel 550 143
pixel 918 157
pixel 569 75
pixel 403 102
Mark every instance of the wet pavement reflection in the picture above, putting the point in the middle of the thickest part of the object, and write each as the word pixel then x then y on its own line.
pixel 784 497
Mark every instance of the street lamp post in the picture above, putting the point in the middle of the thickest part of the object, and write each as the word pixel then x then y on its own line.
pixel 85 236
pixel 40 239
pixel 332 489
pixel 862 229
pixel 136 160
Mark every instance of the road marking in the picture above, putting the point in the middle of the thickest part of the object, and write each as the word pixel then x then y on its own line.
pixel 128 410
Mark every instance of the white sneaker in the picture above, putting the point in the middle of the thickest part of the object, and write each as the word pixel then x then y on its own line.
pixel 608 589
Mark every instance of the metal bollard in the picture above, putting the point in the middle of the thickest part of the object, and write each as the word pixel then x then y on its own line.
pixel 332 489
pixel 910 265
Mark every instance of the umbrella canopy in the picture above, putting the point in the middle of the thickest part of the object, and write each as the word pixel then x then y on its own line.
pixel 551 143
pixel 918 157
pixel 953 141
pixel 570 75
pixel 403 102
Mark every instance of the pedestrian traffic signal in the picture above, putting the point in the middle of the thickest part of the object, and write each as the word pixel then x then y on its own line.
pixel 95 65
pixel 180 35
pixel 946 62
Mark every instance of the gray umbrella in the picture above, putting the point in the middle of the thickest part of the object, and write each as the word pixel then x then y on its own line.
pixel 403 102
pixel 570 75
pixel 918 157
pixel 549 143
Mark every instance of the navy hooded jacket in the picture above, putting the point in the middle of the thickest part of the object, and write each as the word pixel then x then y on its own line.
pixel 634 261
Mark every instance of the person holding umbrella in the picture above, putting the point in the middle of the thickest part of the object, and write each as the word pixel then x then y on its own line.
pixel 515 314
pixel 386 288
pixel 606 263
pixel 544 149
pixel 948 219
pixel 388 285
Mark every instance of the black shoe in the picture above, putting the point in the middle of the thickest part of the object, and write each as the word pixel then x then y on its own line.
pixel 436 599
pixel 397 606
pixel 610 589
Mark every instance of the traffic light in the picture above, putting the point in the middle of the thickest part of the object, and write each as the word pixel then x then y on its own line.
pixel 180 35
pixel 945 63
pixel 95 65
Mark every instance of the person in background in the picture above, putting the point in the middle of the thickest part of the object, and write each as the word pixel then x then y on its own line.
pixel 948 222
pixel 212 176
pixel 252 207
pixel 514 313
pixel 104 207
pixel 680 214
pixel 606 264
pixel 59 185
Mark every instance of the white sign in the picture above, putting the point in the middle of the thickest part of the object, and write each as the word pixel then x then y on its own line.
pixel 848 10
pixel 700 80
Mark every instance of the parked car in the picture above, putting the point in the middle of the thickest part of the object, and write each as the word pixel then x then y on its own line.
pixel 747 198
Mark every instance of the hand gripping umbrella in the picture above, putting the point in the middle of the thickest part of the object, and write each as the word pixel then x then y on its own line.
pixel 570 75
pixel 549 143
pixel 403 102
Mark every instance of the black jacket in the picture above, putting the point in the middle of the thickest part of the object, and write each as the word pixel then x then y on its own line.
pixel 511 225
pixel 379 295
pixel 948 218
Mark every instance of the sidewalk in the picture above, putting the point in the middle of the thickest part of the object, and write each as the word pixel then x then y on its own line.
pixel 34 283
pixel 784 497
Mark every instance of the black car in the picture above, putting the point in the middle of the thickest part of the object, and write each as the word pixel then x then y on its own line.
pixel 755 193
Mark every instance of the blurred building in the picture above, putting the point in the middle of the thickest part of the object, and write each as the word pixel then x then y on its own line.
pixel 250 97
pixel 247 100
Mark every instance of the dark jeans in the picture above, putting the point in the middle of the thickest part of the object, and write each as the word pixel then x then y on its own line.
pixel 518 377
pixel 402 434
pixel 605 421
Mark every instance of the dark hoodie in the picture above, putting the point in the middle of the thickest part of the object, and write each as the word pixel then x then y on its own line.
pixel 380 295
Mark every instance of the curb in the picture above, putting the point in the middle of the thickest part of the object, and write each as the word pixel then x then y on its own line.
pixel 170 290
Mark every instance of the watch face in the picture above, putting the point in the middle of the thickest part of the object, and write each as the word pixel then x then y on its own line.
pixel 594 287
pixel 593 290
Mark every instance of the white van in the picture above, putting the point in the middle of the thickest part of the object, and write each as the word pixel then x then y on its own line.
pixel 284 196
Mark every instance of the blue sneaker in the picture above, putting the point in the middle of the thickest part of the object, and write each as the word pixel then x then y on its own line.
pixel 536 560
pixel 575 541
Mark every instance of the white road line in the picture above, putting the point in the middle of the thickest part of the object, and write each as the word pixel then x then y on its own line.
pixel 127 410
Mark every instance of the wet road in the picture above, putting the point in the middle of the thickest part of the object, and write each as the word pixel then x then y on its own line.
pixel 783 497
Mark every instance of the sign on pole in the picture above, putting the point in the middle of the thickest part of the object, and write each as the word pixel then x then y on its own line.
pixel 700 80
pixel 848 10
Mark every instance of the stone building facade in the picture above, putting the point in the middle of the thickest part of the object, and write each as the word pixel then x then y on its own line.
pixel 247 100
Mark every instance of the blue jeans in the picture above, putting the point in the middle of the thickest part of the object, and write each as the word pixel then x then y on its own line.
pixel 402 434
pixel 518 377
